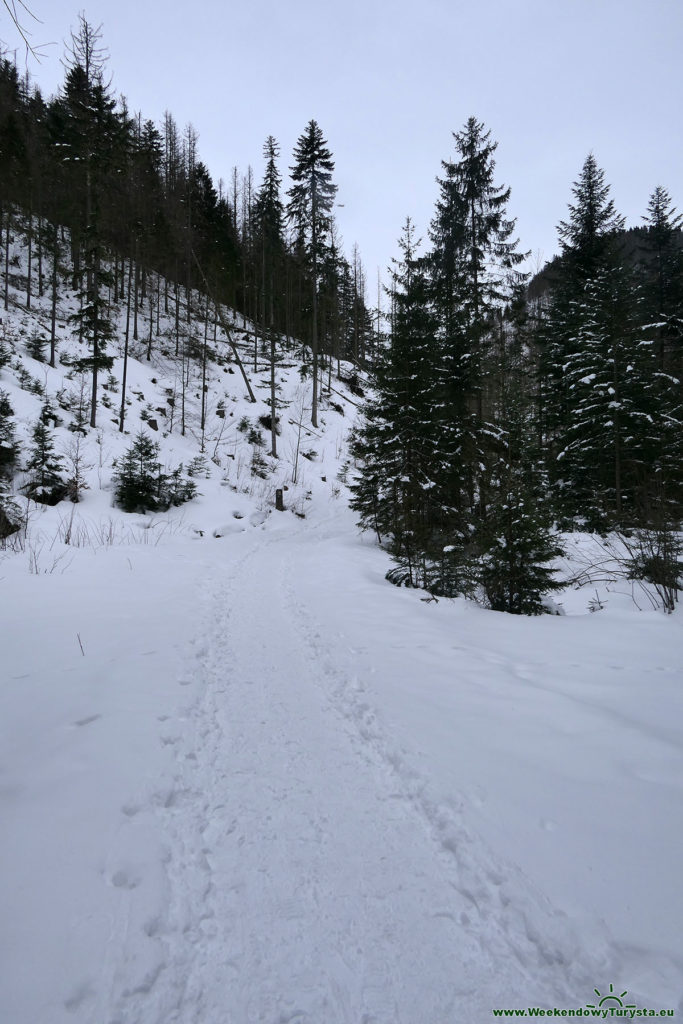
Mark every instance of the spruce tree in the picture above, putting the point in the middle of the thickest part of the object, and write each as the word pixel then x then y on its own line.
pixel 600 392
pixel 139 477
pixel 90 143
pixel 516 540
pixel 46 483
pixel 268 221
pixel 394 446
pixel 473 264
pixel 141 483
pixel 660 273
pixel 311 199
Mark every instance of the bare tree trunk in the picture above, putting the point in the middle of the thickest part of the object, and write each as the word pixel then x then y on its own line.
pixel 151 327
pixel 9 218
pixel 204 353
pixel 122 417
pixel 137 287
pixel 177 312
pixel 53 311
pixel 314 343
pixel 182 402
pixel 95 339
pixel 40 256
pixel 273 410
pixel 30 257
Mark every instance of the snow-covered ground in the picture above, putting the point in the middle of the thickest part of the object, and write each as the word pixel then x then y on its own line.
pixel 244 779
pixel 272 787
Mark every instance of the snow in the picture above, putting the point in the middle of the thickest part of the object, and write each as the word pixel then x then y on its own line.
pixel 244 779
pixel 275 788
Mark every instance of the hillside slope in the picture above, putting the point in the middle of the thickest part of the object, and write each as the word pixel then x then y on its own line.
pixel 166 375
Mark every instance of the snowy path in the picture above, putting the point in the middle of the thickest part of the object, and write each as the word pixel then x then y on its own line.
pixel 310 881
pixel 273 789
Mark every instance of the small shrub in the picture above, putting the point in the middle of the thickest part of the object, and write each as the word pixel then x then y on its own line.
pixel 27 382
pixel 143 486
pixel 35 346
pixel 259 466
pixel 199 467
pixel 46 483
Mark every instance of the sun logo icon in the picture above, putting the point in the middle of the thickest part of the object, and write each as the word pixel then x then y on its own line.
pixel 611 999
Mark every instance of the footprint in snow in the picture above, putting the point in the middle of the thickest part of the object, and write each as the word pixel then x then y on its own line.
pixel 87 721
pixel 123 880
pixel 78 996
pixel 130 810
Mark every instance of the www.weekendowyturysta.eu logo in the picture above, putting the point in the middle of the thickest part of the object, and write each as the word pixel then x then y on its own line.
pixel 611 999
pixel 610 1005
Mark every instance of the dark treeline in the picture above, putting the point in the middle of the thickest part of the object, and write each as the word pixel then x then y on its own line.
pixel 136 198
pixel 500 418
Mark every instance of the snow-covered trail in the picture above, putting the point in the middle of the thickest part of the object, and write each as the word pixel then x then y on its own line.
pixel 309 878
pixel 271 788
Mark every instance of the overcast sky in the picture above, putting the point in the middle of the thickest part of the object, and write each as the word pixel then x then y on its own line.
pixel 390 81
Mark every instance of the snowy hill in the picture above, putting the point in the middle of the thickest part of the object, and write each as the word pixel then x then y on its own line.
pixel 229 453
pixel 244 779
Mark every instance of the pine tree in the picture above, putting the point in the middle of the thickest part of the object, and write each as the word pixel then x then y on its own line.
pixel 587 237
pixel 473 269
pixel 139 477
pixel 269 213
pixel 599 379
pixel 660 274
pixel 268 225
pixel 516 539
pixel 394 446
pixel 91 134
pixel 311 198
pixel 46 484
pixel 141 483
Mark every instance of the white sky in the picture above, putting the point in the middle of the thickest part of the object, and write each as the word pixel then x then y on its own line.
pixel 389 81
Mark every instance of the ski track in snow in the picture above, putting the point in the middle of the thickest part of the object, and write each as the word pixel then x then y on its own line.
pixel 311 879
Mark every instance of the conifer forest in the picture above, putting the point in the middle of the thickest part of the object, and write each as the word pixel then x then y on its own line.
pixel 501 409
pixel 340 619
